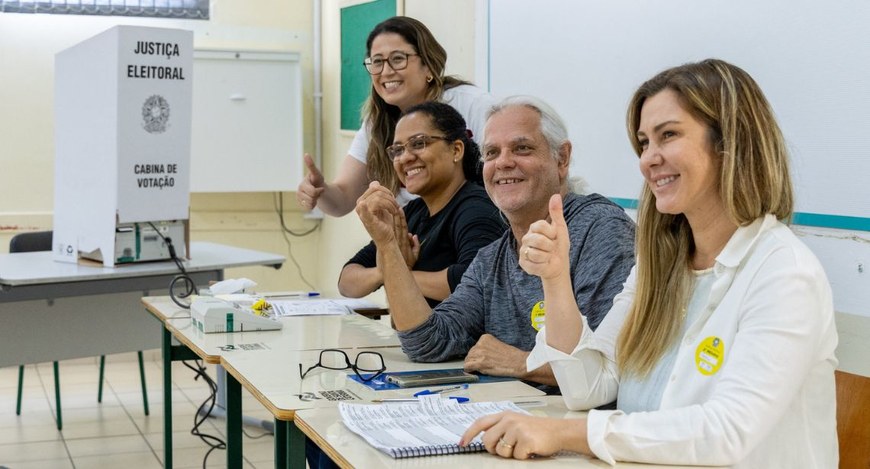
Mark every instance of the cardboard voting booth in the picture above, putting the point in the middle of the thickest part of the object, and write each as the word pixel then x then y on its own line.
pixel 123 104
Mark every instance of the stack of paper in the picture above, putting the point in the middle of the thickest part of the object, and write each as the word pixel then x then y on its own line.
pixel 431 426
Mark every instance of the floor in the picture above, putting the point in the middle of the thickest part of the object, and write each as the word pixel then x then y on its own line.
pixel 114 433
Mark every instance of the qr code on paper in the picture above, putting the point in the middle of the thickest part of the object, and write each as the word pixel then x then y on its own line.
pixel 338 395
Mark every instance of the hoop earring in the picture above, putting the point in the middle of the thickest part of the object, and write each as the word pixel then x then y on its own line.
pixel 429 78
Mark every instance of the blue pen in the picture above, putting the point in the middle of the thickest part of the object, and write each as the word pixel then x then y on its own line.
pixel 300 294
pixel 426 392
pixel 458 399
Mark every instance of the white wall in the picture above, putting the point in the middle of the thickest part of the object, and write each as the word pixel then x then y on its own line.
pixel 28 43
pixel 605 49
pixel 27 47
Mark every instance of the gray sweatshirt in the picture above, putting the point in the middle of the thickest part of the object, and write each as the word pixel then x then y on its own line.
pixel 497 297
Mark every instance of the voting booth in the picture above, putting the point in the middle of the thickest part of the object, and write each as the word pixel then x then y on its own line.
pixel 123 104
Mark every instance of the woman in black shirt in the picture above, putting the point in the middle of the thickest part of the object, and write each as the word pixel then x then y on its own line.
pixel 441 231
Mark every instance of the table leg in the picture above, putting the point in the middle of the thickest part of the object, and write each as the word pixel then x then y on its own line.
pixel 166 348
pixel 280 444
pixel 295 446
pixel 234 422
pixel 170 353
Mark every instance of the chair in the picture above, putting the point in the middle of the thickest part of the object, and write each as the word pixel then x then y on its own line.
pixel 853 420
pixel 41 241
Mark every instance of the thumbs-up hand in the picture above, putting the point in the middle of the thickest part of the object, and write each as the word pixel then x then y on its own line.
pixel 311 186
pixel 544 249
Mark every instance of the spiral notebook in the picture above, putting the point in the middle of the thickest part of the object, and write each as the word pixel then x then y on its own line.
pixel 430 427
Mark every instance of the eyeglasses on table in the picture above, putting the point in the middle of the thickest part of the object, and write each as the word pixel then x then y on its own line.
pixel 364 362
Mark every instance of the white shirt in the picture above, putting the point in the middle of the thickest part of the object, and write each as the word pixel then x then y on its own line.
pixel 472 103
pixel 644 394
pixel 769 400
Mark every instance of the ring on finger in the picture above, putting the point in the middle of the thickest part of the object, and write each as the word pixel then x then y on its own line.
pixel 505 443
pixel 526 253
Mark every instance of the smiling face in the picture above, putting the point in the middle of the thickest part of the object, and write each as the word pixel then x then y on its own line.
pixel 402 88
pixel 519 171
pixel 429 172
pixel 678 161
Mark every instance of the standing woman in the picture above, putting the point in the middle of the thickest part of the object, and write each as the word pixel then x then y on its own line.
pixel 406 65
pixel 440 232
pixel 720 348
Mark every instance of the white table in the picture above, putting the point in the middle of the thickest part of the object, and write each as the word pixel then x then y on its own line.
pixel 276 384
pixel 323 426
pixel 53 310
pixel 266 363
pixel 277 347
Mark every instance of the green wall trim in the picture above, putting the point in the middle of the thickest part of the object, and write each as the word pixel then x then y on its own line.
pixel 625 203
pixel 831 221
pixel 822 220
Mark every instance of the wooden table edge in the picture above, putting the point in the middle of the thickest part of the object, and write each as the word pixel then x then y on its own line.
pixel 322 444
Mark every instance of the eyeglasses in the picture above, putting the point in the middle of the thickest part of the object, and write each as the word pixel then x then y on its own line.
pixel 398 61
pixel 365 362
pixel 414 144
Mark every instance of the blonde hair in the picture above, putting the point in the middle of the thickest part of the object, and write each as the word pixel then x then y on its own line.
pixel 754 181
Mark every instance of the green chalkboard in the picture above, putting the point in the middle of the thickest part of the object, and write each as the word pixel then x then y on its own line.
pixel 356 23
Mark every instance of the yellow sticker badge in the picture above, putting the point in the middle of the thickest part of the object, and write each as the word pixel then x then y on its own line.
pixel 538 315
pixel 709 355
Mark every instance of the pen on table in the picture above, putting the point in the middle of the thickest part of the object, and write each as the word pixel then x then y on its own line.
pixel 530 403
pixel 440 391
pixel 458 399
pixel 296 294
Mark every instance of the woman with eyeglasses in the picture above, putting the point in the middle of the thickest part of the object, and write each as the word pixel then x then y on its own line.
pixel 440 232
pixel 720 349
pixel 406 65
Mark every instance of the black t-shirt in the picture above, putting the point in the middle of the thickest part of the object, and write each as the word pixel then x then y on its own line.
pixel 451 238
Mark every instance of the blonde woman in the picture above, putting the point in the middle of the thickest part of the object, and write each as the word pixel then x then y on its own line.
pixel 720 349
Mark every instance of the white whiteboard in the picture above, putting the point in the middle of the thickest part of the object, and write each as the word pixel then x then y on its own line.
pixel 247 122
pixel 586 58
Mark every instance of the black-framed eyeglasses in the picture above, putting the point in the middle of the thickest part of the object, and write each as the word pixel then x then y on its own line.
pixel 365 362
pixel 398 61
pixel 414 144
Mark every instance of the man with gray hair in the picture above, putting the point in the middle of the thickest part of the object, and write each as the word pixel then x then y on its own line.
pixel 495 312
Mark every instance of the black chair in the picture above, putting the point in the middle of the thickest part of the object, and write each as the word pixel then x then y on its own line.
pixel 31 242
pixel 41 241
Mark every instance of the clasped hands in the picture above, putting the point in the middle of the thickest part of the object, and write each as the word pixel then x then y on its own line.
pixel 385 222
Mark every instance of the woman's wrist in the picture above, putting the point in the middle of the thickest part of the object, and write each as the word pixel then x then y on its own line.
pixel 555 288
pixel 575 436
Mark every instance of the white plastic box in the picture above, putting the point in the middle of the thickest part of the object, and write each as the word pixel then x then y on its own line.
pixel 123 103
